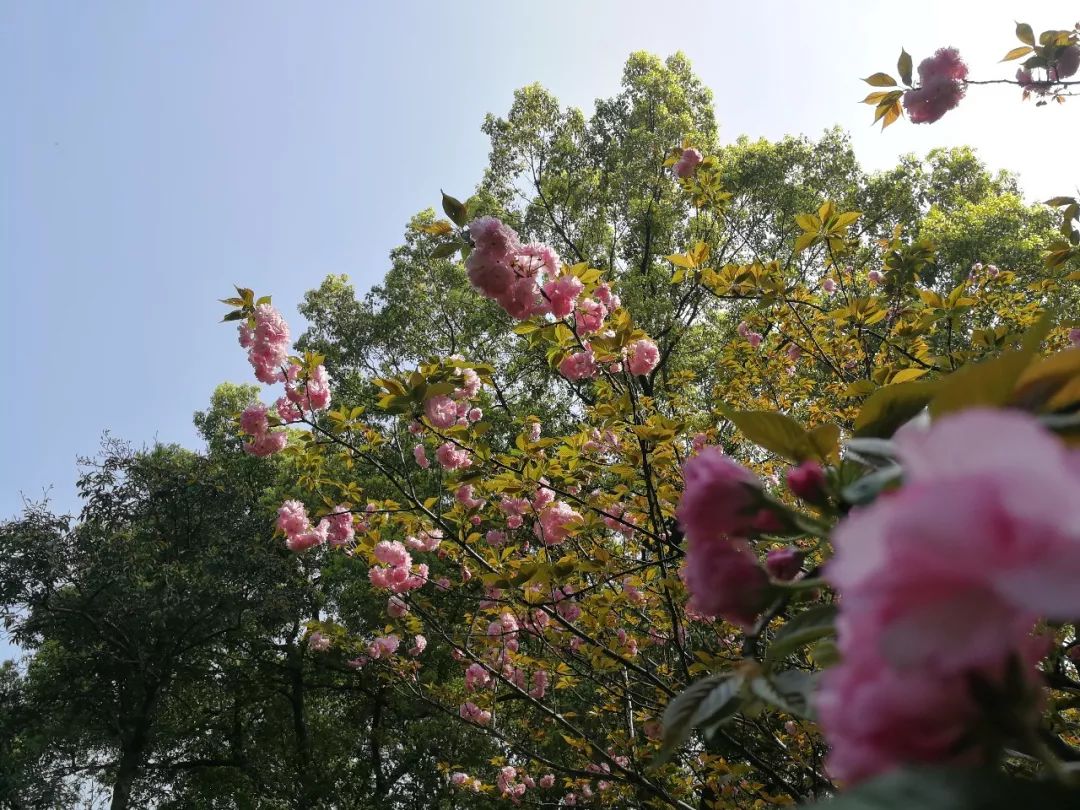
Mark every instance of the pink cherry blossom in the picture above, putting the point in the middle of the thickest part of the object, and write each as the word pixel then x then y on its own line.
pixel 317 390
pixel 590 315
pixel 341 529
pixel 312 537
pixel 396 607
pixel 579 366
pixel 292 518
pixel 784 563
pixel 384 646
pixel 605 296
pixel 476 677
pixel 474 714
pixel 719 496
pixel 269 349
pixel 688 163
pixel 287 410
pixel 490 264
pixel 943 581
pixel 253 419
pixel 452 457
pixel 441 411
pixel 553 526
pixel 562 293
pixel 267 444
pixel 941 87
pixel 807 481
pixel 464 496
pixel 419 645
pixel 724 579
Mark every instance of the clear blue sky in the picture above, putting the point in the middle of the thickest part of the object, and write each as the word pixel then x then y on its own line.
pixel 154 153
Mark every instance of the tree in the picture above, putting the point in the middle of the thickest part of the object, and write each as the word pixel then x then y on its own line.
pixel 761 314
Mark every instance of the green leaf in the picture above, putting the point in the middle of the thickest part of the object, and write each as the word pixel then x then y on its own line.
pixel 694 705
pixel 889 407
pixel 867 488
pixel 903 67
pixel 810 625
pixel 445 249
pixel 455 209
pixel 951 789
pixel 774 431
pixel 790 691
pixel 1025 34
pixel 880 80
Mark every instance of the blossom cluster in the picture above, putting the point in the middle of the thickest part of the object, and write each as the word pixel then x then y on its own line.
pixel 529 280
pixel 336 528
pixel 941 87
pixel 941 585
pixel 268 352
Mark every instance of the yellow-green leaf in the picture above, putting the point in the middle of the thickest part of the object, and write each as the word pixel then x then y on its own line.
pixel 880 80
pixel 1016 53
pixel 805 241
pixel 990 383
pixel 889 407
pixel 907 375
pixel 846 219
pixel 825 441
pixel 774 431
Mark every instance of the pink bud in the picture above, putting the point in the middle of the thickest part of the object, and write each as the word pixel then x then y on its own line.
pixel 807 481
pixel 784 563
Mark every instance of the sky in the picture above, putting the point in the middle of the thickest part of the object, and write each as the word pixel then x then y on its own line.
pixel 154 154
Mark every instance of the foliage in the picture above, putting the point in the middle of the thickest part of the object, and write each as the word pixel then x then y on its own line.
pixel 802 312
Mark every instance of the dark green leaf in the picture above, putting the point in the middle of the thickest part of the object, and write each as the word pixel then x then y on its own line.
pixel 903 67
pixel 455 209
pixel 952 789
pixel 445 249
pixel 693 705
pixel 808 626
pixel 790 691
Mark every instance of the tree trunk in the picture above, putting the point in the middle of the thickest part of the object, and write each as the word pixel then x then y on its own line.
pixel 130 763
pixel 297 698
